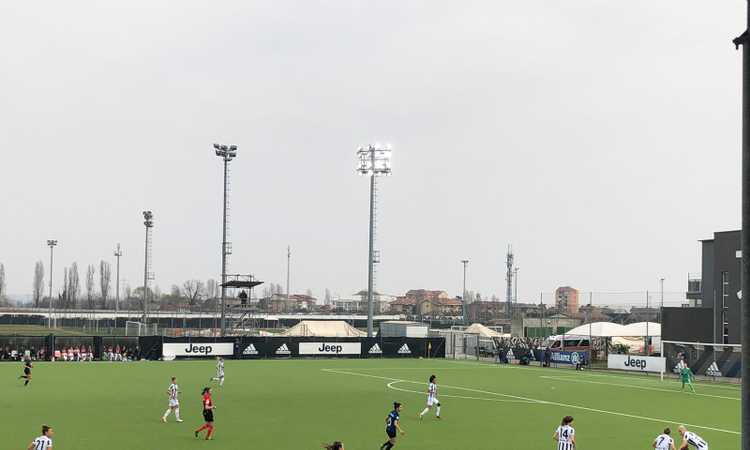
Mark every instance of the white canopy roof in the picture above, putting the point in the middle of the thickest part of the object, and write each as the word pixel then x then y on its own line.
pixel 639 329
pixel 478 328
pixel 608 329
pixel 324 328
pixel 598 329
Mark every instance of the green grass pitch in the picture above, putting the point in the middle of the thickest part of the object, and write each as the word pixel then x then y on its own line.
pixel 297 404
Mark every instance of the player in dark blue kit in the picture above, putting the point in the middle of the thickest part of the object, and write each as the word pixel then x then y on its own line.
pixel 392 427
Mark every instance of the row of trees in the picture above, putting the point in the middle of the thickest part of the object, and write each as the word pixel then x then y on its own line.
pixel 96 289
pixel 95 292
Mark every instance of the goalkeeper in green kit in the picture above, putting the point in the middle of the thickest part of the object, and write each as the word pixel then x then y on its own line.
pixel 687 377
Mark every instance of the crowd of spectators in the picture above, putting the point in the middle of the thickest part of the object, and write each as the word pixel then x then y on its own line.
pixel 77 353
pixel 19 354
pixel 119 353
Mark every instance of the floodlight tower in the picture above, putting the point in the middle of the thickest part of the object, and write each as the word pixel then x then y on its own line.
pixel 226 153
pixel 148 221
pixel 118 253
pixel 374 160
pixel 52 243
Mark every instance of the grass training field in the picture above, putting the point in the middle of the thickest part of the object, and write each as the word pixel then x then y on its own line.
pixel 297 404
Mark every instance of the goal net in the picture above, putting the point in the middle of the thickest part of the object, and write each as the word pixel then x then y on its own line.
pixel 140 329
pixel 706 359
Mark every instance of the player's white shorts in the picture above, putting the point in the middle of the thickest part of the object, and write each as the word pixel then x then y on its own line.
pixel 220 375
pixel 432 400
pixel 174 403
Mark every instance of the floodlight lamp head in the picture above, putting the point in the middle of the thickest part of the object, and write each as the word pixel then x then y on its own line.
pixel 51 242
pixel 233 148
pixel 217 146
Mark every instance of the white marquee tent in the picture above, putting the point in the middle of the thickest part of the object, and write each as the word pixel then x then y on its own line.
pixel 608 329
pixel 324 328
pixel 478 328
pixel 641 329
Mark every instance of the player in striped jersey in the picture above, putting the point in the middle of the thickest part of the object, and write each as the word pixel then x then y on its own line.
pixel 219 371
pixel 174 402
pixel 664 441
pixel 431 398
pixel 689 438
pixel 565 435
pixel 43 442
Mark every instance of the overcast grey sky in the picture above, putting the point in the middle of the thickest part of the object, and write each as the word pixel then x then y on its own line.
pixel 600 138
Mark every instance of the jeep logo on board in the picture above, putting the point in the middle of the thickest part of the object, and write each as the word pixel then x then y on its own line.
pixel 330 348
pixel 199 349
pixel 636 363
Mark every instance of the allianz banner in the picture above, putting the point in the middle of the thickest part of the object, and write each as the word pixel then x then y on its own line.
pixel 636 363
pixel 330 348
pixel 198 349
pixel 569 357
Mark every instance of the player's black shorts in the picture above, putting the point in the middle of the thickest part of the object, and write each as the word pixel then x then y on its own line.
pixel 208 415
pixel 26 371
pixel 391 433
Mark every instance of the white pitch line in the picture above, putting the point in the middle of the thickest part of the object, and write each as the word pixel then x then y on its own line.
pixel 589 373
pixel 702 384
pixel 390 386
pixel 545 402
pixel 633 386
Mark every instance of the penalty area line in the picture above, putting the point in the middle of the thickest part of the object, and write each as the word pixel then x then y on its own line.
pixel 544 402
pixel 510 400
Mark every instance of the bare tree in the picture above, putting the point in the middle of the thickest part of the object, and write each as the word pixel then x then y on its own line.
pixel 192 290
pixel 74 286
pixel 38 282
pixel 90 273
pixel 105 277
pixel 3 300
pixel 328 297
pixel 157 293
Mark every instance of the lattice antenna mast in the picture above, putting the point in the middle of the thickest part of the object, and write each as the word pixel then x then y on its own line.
pixel 509 282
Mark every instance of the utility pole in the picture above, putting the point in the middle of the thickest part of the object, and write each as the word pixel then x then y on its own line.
pixel 661 302
pixel 648 316
pixel 465 262
pixel 118 253
pixel 52 243
pixel 744 40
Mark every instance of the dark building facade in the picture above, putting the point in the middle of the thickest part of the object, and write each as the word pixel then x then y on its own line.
pixel 719 285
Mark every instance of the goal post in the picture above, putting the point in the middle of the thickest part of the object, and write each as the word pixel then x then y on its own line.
pixel 133 328
pixel 704 358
